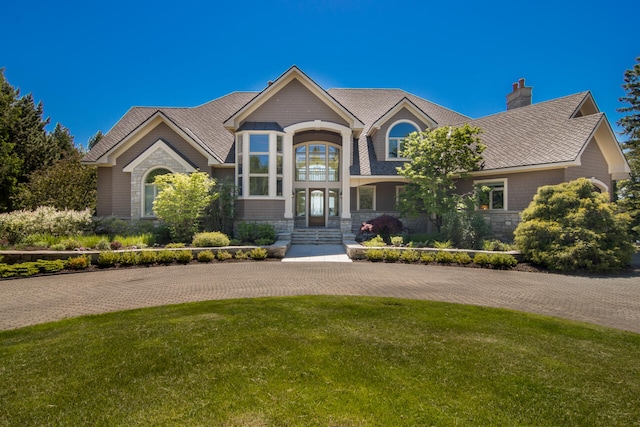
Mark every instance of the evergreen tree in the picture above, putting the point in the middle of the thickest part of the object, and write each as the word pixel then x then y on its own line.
pixel 10 161
pixel 94 139
pixel 629 189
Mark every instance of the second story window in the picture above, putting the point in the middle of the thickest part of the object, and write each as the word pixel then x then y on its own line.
pixel 398 132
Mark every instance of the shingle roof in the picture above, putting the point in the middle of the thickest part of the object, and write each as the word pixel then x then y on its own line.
pixel 543 133
pixel 371 104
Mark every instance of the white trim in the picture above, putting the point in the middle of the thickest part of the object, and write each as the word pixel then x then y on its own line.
pixel 293 73
pixel 411 107
pixel 601 185
pixel 386 140
pixel 374 198
pixel 110 156
pixel 158 145
pixel 505 191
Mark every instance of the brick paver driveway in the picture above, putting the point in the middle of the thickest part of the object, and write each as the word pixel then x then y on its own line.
pixel 613 302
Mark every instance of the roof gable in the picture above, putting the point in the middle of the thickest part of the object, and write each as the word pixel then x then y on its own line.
pixel 404 103
pixel 291 75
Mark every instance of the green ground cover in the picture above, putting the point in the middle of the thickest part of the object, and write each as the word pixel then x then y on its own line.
pixel 319 361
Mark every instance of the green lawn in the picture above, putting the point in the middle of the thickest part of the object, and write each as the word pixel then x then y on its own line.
pixel 328 361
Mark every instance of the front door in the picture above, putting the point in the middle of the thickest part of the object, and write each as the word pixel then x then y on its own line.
pixel 316 208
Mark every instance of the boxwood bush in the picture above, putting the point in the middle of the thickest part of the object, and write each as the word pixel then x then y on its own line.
pixel 210 239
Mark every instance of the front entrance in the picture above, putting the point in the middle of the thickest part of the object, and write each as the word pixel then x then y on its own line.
pixel 316 208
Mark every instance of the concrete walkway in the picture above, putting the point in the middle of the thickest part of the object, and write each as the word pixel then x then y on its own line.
pixel 316 253
pixel 613 302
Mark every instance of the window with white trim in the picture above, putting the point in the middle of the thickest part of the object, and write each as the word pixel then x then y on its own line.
pixel 367 198
pixel 396 136
pixel 259 164
pixel 151 190
pixel 492 195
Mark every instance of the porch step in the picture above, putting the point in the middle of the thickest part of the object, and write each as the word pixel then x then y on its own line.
pixel 316 236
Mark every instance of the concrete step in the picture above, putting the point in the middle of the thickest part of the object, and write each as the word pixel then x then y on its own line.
pixel 316 236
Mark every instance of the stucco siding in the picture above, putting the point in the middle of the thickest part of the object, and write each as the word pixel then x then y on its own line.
pixel 294 103
pixel 105 192
pixel 593 165
pixel 259 209
pixel 379 137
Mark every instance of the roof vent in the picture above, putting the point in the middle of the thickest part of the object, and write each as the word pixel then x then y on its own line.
pixel 520 96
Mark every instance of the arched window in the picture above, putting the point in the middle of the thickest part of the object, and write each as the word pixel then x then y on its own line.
pixel 398 132
pixel 151 190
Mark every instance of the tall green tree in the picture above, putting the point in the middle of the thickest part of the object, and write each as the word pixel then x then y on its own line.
pixel 629 190
pixel 437 158
pixel 67 184
pixel 25 145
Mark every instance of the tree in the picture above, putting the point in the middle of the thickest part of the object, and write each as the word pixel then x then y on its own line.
pixel 437 158
pixel 181 201
pixel 67 184
pixel 572 226
pixel 94 139
pixel 629 189
pixel 25 145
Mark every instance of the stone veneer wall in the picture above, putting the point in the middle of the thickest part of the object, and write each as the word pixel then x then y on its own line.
pixel 158 159
pixel 502 223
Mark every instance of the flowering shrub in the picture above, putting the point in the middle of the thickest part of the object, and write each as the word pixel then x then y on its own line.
pixel 15 226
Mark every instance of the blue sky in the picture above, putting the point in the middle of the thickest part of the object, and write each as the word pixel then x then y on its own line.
pixel 90 61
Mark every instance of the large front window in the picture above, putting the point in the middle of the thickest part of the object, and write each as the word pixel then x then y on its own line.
pixel 491 195
pixel 396 137
pixel 259 159
pixel 317 162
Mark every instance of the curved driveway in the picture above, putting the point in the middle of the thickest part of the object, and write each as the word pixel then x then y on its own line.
pixel 613 302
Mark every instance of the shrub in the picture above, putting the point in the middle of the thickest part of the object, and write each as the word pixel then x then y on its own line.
pixel 264 242
pixel 23 269
pixel 111 226
pixel 410 256
pixel 258 254
pixel 251 232
pixel 461 258
pixel 374 255
pixel 465 228
pixel 241 255
pixel 447 244
pixel 103 245
pixel 391 255
pixel 129 258
pixel 571 226
pixel 496 245
pixel 165 257
pixel 444 257
pixel 376 241
pixel 184 257
pixel 206 256
pixel 384 225
pixel 397 241
pixel 71 244
pixel 223 255
pixel 210 239
pixel 481 259
pixel 78 263
pixel 108 259
pixel 115 245
pixel 235 242
pixel 502 260
pixel 16 225
pixel 147 257
pixel 175 245
pixel 50 266
pixel 57 247
pixel 427 257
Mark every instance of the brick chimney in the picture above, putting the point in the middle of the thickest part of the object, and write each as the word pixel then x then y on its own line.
pixel 520 97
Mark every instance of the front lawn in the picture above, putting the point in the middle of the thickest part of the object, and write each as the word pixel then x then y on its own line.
pixel 319 361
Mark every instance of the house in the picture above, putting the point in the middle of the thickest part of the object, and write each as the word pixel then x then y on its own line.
pixel 302 156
